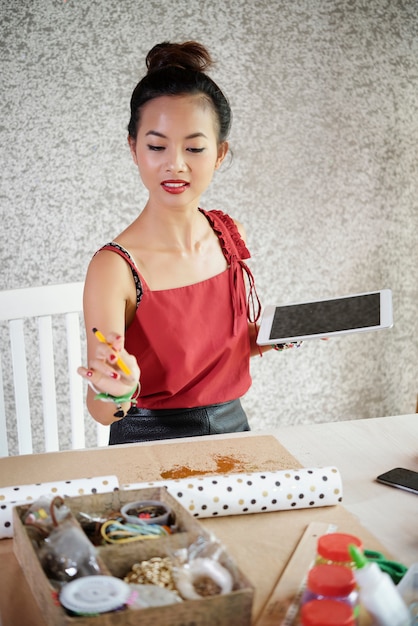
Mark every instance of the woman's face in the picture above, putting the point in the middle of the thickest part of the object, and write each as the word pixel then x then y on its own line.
pixel 176 149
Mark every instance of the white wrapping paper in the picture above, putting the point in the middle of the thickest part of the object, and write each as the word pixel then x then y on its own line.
pixel 202 496
pixel 24 494
pixel 238 494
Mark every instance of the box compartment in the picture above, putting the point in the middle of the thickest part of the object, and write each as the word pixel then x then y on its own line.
pixel 117 560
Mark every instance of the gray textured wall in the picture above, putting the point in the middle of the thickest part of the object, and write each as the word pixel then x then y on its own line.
pixel 323 175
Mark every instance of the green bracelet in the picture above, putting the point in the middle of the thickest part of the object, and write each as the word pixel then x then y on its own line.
pixel 118 400
pixel 106 397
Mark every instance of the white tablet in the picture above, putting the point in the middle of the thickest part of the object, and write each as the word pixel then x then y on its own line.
pixel 323 318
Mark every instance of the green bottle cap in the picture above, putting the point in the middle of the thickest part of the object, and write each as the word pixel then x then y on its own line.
pixel 357 556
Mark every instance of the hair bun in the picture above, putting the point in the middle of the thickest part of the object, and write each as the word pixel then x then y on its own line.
pixel 189 55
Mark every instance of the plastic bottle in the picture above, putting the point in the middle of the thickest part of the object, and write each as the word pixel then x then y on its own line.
pixel 332 582
pixel 326 613
pixel 378 592
pixel 408 588
pixel 333 548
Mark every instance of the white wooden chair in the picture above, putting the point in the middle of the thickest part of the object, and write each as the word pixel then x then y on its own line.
pixel 36 359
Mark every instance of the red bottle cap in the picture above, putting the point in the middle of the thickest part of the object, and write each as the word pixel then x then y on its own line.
pixel 331 580
pixel 334 547
pixel 326 613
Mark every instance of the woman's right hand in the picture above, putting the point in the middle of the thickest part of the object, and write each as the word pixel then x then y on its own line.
pixel 103 372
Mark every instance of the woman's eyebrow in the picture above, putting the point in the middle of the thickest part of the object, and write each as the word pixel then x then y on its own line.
pixel 194 135
pixel 155 133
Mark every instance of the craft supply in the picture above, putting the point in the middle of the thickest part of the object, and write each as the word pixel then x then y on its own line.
pixel 256 492
pixel 326 613
pixel 202 577
pixel 67 554
pixel 378 592
pixel 408 588
pixel 332 582
pixel 119 361
pixel 25 494
pixel 153 595
pixel 395 569
pixel 46 512
pixel 148 511
pixel 113 531
pixel 334 548
pixel 91 595
pixel 156 571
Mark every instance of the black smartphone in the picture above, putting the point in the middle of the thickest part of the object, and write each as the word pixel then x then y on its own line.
pixel 401 478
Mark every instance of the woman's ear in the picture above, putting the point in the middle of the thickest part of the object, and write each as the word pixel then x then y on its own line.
pixel 132 148
pixel 222 152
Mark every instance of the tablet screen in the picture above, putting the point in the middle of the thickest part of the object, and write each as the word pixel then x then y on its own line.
pixel 326 316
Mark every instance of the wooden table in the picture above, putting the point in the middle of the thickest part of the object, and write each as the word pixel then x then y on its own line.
pixel 262 544
pixel 363 449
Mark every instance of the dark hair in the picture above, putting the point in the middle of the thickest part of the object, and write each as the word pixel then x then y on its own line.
pixel 176 69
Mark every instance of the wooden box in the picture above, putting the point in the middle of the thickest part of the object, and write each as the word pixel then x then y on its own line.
pixel 117 560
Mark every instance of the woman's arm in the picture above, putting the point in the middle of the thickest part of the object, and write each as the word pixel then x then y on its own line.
pixel 109 304
pixel 256 350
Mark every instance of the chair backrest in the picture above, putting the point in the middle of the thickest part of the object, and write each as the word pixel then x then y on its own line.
pixel 46 340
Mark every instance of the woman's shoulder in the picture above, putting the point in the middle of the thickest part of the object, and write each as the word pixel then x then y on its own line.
pixel 107 268
pixel 113 246
pixel 229 230
pixel 105 262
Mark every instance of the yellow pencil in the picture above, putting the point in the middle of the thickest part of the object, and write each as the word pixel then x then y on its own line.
pixel 125 369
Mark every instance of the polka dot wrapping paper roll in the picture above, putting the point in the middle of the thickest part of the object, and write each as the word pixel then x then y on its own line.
pixel 25 494
pixel 256 492
pixel 202 496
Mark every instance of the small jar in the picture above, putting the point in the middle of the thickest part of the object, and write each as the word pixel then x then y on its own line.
pixel 333 549
pixel 326 613
pixel 147 512
pixel 332 582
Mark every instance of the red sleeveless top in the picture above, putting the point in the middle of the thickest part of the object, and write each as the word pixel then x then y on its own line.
pixel 192 343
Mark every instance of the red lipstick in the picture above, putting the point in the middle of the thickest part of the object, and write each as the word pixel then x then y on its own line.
pixel 175 186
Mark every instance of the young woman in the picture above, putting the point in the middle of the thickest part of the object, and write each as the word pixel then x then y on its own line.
pixel 172 294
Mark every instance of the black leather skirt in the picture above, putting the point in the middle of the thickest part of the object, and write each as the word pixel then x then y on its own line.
pixel 151 425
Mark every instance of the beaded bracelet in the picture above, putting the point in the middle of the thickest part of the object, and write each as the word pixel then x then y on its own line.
pixel 286 346
pixel 119 400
